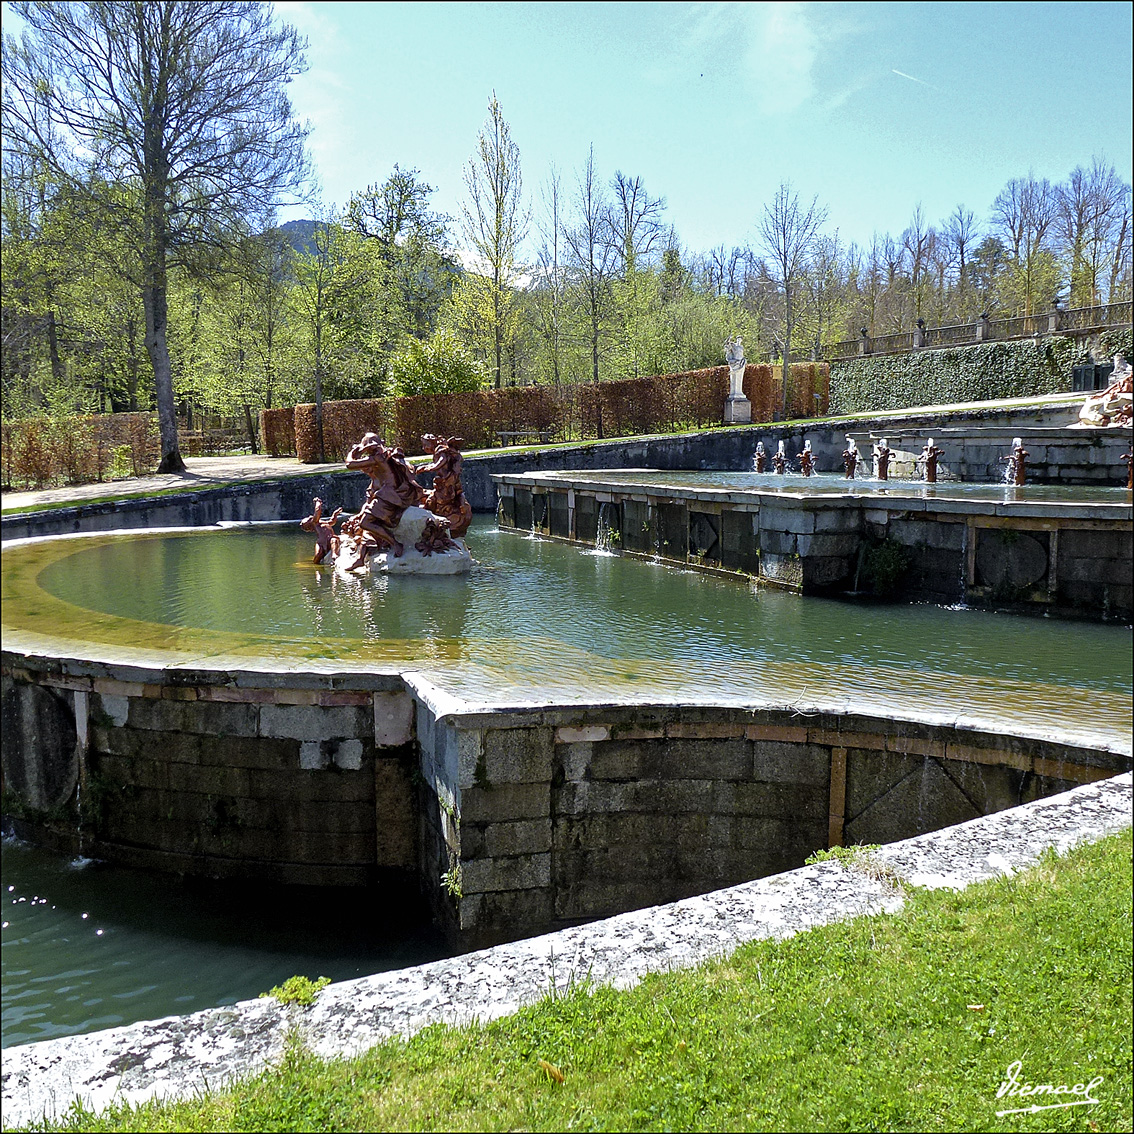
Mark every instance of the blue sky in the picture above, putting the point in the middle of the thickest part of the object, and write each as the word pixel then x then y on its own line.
pixel 874 107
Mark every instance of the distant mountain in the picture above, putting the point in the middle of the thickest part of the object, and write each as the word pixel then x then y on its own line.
pixel 300 234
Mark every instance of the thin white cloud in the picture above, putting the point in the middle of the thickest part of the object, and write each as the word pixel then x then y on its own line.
pixel 912 78
pixel 771 49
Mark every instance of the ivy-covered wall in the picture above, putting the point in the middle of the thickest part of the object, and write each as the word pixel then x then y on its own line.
pixel 979 373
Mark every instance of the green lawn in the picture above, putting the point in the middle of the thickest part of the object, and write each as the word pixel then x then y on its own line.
pixel 904 1022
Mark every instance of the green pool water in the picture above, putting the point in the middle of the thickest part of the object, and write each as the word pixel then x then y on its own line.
pixel 89 946
pixel 540 620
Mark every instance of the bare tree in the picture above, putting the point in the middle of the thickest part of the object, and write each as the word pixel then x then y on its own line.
pixel 959 236
pixel 636 220
pixel 551 283
pixel 494 219
pixel 1088 221
pixel 1120 264
pixel 593 260
pixel 1024 212
pixel 788 231
pixel 722 270
pixel 170 116
pixel 918 242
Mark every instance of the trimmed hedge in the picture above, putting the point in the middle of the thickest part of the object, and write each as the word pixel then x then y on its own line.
pixel 661 404
pixel 37 452
pixel 277 430
pixel 985 372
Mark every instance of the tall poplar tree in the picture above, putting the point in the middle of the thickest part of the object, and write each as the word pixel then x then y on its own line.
pixel 789 230
pixel 494 219
pixel 168 116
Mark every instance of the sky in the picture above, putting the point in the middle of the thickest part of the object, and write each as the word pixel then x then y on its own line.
pixel 873 108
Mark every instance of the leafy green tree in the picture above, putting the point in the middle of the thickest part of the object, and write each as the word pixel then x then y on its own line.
pixel 443 365
pixel 171 118
pixel 412 242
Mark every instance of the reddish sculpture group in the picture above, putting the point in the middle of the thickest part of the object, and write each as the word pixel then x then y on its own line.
pixel 393 489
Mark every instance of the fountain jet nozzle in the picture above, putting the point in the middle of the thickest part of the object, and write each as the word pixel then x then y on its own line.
pixel 806 459
pixel 1017 470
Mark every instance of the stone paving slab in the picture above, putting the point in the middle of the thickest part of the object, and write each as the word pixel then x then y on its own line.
pixel 181 1055
pixel 203 472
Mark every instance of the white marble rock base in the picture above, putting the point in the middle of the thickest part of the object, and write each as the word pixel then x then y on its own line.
pixel 455 561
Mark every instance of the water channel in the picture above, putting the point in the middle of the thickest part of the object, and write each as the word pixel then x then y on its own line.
pixel 87 946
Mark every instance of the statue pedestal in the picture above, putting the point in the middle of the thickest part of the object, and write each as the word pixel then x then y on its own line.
pixel 737 410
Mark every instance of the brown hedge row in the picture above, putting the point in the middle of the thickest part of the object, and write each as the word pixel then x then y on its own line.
pixel 660 404
pixel 37 452
pixel 277 431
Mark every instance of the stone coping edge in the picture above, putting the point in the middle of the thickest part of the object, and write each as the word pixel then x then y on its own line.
pixel 62 669
pixel 183 1055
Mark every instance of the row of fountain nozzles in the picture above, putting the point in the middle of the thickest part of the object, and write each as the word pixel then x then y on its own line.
pixel 930 455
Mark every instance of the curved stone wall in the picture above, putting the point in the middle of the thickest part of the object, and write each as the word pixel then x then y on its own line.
pixel 515 820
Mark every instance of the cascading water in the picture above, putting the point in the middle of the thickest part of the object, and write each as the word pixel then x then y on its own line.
pixel 606 534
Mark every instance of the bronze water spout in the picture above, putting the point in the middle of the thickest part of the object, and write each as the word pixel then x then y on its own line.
pixel 806 460
pixel 326 538
pixel 1017 462
pixel 882 454
pixel 930 455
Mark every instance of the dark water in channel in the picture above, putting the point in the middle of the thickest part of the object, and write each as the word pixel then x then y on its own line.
pixel 87 946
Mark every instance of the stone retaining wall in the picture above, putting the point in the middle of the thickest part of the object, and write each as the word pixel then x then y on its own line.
pixel 554 816
pixel 513 820
pixel 1062 558
pixel 301 782
pixel 1055 456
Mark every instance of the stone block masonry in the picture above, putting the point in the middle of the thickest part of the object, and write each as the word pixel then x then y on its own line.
pixel 196 774
pixel 1030 557
pixel 514 820
pixel 559 816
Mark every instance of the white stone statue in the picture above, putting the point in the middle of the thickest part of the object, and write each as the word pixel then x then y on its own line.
pixel 1113 405
pixel 738 408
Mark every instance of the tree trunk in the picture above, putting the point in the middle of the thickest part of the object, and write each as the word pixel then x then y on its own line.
pixel 319 394
pixel 132 366
pixel 497 330
pixel 248 421
pixel 594 373
pixel 154 300
pixel 57 371
pixel 787 350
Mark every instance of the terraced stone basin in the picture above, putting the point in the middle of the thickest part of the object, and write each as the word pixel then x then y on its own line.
pixel 1040 548
pixel 561 734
